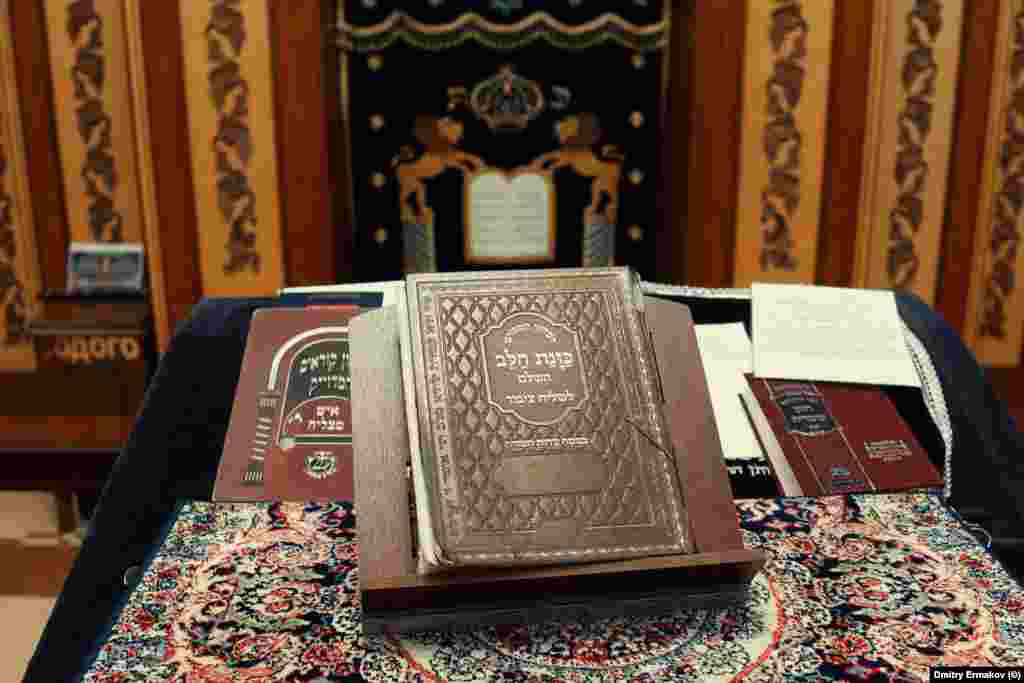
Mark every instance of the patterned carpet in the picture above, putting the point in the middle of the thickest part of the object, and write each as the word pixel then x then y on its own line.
pixel 867 587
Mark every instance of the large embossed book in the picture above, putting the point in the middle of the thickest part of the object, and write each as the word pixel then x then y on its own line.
pixel 556 423
pixel 290 432
pixel 542 438
pixel 827 438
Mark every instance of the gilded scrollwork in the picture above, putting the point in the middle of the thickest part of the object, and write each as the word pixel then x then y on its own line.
pixel 13 304
pixel 577 137
pixel 233 144
pixel 782 138
pixel 1004 239
pixel 920 68
pixel 440 138
pixel 99 170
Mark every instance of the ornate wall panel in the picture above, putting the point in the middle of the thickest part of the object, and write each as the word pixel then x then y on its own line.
pixel 785 109
pixel 915 67
pixel 994 326
pixel 19 266
pixel 93 111
pixel 229 91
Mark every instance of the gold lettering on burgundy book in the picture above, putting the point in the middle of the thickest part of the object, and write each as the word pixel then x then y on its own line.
pixel 842 438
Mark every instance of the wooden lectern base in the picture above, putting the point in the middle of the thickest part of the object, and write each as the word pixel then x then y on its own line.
pixel 396 598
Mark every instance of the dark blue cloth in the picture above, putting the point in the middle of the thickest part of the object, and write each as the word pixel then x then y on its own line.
pixel 988 449
pixel 172 453
pixel 175 447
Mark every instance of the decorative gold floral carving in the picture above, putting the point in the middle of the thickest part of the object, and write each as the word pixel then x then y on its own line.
pixel 1008 209
pixel 13 304
pixel 920 68
pixel 233 144
pixel 782 139
pixel 99 172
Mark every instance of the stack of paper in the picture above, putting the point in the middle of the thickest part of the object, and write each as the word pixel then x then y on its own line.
pixel 726 354
pixel 829 334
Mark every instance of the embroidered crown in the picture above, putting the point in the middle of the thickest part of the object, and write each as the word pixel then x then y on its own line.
pixel 507 101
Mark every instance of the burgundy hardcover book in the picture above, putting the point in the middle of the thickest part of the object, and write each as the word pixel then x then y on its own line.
pixel 841 438
pixel 290 434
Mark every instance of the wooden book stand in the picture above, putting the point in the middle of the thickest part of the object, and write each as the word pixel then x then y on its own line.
pixel 396 598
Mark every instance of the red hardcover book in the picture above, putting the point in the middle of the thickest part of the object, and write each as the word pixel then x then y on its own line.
pixel 840 438
pixel 290 434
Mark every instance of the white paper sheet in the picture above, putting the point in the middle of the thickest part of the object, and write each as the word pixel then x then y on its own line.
pixel 829 334
pixel 726 354
pixel 391 290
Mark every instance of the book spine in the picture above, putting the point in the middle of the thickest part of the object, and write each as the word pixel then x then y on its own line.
pixel 229 97
pixel 785 479
pixel 994 324
pixel 775 429
pixel 915 58
pixel 430 556
pixel 785 103
pixel 20 279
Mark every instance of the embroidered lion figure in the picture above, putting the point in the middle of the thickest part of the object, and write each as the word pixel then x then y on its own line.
pixel 440 137
pixel 578 134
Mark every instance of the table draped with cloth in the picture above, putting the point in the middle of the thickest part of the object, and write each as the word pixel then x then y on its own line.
pixel 858 587
pixel 855 587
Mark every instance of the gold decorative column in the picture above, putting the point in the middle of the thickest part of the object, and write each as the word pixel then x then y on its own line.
pixel 229 92
pixel 20 280
pixel 785 107
pixel 915 65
